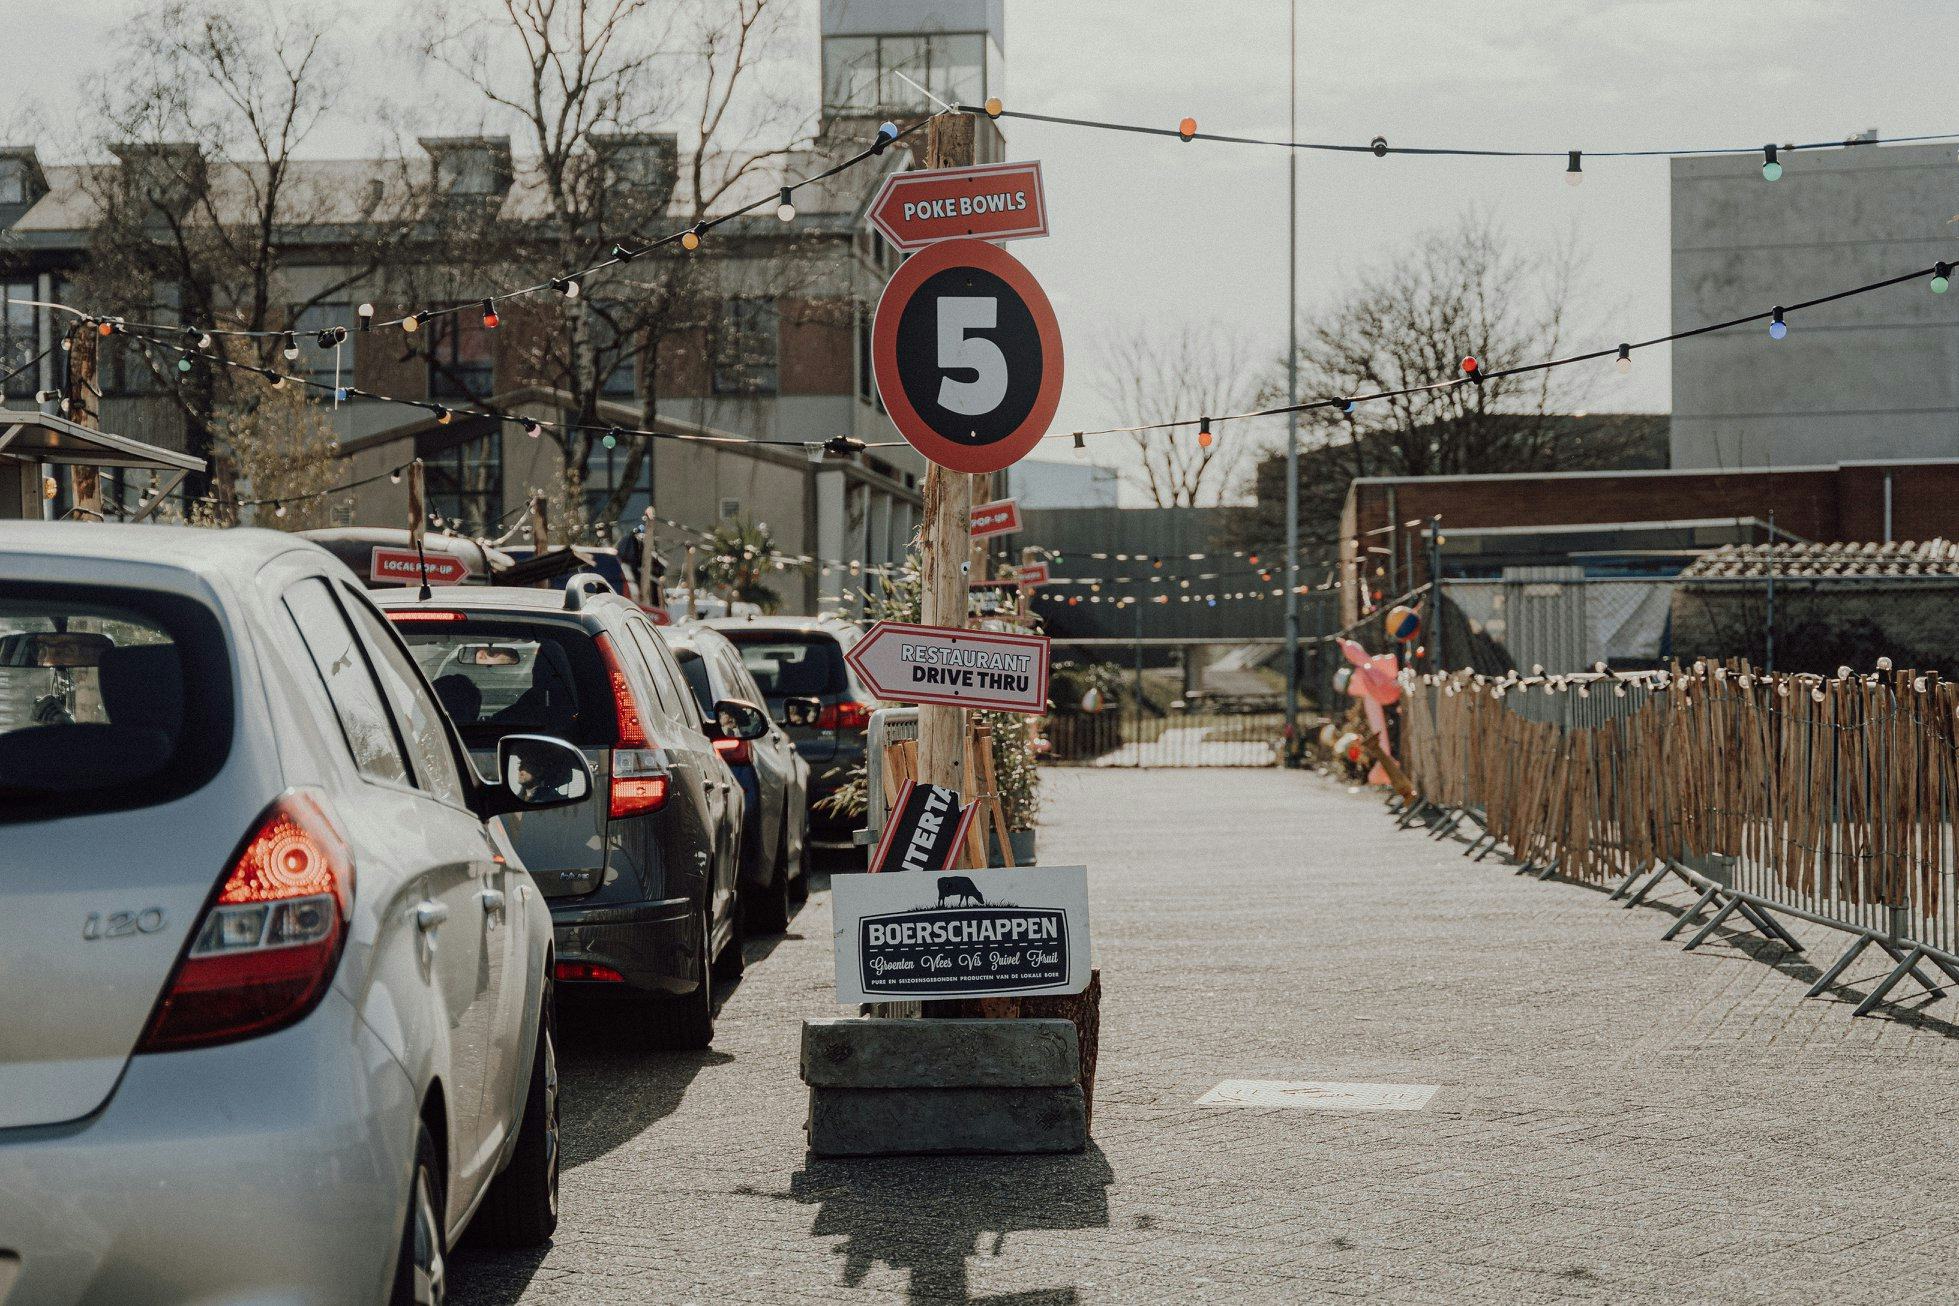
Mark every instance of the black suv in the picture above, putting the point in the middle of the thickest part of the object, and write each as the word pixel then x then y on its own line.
pixel 794 660
pixel 641 876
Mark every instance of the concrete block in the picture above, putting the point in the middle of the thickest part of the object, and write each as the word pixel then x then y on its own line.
pixel 938 1054
pixel 900 1121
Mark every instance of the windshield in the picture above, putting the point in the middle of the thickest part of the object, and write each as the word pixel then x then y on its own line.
pixel 108 699
pixel 503 677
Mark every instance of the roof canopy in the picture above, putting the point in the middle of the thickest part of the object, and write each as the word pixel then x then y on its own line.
pixel 39 437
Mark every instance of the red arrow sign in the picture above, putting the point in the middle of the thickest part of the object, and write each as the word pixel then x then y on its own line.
pixel 403 567
pixel 1001 517
pixel 954 668
pixel 1031 574
pixel 993 201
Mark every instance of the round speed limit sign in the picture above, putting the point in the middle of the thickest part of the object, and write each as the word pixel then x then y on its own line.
pixel 967 356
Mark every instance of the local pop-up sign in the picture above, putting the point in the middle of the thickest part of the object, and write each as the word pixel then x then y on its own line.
pixel 1001 517
pixel 988 669
pixel 388 566
pixel 969 934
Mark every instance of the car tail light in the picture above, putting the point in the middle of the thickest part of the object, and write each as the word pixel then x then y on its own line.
pixel 265 949
pixel 733 751
pixel 409 616
pixel 845 716
pixel 639 776
pixel 586 970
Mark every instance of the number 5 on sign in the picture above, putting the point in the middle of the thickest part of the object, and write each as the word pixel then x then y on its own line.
pixel 958 351
pixel 967 355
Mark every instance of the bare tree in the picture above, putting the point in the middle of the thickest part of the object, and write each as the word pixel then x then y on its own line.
pixel 591 92
pixel 1158 374
pixel 203 112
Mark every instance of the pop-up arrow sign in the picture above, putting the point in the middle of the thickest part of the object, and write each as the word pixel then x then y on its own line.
pixel 954 668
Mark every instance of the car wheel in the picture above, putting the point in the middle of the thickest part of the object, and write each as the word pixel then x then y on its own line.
pixel 422 1264
pixel 769 913
pixel 521 1208
pixel 687 1022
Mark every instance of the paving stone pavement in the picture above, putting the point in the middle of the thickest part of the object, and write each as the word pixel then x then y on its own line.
pixel 1615 1121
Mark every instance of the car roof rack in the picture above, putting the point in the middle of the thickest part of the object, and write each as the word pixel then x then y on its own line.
pixel 582 586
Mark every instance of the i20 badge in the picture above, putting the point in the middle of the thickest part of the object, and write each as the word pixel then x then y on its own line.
pixel 122 924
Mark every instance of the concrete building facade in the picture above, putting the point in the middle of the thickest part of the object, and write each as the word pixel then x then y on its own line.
pixel 1872 377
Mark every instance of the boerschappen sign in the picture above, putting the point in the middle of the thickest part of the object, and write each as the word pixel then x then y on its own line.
pixel 990 669
pixel 963 934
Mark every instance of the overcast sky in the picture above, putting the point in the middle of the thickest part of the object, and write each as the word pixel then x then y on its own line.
pixel 1151 229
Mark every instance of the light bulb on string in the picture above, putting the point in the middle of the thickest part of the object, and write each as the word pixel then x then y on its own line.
pixel 566 286
pixel 442 415
pixel 1574 174
pixel 993 107
pixel 531 428
pixel 279 511
pixel 785 209
pixel 1204 437
pixel 1472 369
pixel 690 239
pixel 394 477
pixel 1081 448
pixel 411 324
pixel 290 350
pixel 183 364
pixel 1771 166
pixel 887 132
pixel 365 314
pixel 1625 359
pixel 105 328
pixel 611 438
pixel 1187 129
pixel 1941 278
pixel 624 253
pixel 1777 327
pixel 490 318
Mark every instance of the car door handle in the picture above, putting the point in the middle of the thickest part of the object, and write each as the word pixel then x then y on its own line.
pixel 493 901
pixel 428 915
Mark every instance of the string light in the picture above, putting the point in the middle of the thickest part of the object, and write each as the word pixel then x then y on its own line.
pixel 532 429
pixel 490 318
pixel 785 210
pixel 1771 166
pixel 365 313
pixel 1187 129
pixel 1941 278
pixel 1777 327
pixel 411 324
pixel 566 286
pixel 1204 437
pixel 291 348
pixel 691 238
pixel 105 328
pixel 442 414
pixel 1081 448
pixel 183 364
pixel 332 336
pixel 993 107
pixel 887 133
pixel 1472 369
pixel 394 477
pixel 1625 359
pixel 623 254
pixel 1573 173
pixel 610 439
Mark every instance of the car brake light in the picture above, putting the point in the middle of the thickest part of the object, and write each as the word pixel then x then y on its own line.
pixel 265 949
pixel 631 733
pixel 733 751
pixel 844 716
pixel 586 970
pixel 639 776
pixel 407 616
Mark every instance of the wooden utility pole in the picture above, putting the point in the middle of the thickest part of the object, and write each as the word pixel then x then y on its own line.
pixel 540 525
pixel 82 400
pixel 945 534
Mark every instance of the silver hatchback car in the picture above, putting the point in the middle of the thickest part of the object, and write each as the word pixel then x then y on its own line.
pixel 277 993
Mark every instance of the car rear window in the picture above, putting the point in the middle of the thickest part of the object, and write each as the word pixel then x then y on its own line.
pixel 792 666
pixel 109 699
pixel 503 676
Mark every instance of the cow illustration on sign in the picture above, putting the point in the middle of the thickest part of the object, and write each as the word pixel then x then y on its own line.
pixel 961 890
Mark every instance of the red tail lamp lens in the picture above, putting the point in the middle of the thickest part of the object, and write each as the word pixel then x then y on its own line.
pixel 587 970
pixel 733 751
pixel 845 716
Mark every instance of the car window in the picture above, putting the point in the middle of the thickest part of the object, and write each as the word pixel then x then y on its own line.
pixel 337 655
pixel 795 666
pixel 109 699
pixel 498 676
pixel 667 680
pixel 736 677
pixel 428 741
pixel 694 667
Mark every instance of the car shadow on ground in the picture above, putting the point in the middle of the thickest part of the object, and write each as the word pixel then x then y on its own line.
pixel 930 1216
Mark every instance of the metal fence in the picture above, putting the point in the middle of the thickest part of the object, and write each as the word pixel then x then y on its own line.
pixel 1166 702
pixel 1831 799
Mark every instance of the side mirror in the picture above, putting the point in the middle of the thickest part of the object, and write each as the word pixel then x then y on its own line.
pixel 738 720
pixel 801 711
pixel 538 771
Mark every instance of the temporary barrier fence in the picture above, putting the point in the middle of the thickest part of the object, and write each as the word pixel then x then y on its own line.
pixel 1828 799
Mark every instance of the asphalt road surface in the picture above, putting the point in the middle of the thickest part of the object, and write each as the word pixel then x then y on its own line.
pixel 1610 1119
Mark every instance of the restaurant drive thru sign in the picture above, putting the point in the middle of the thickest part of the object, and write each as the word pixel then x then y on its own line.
pixel 993 201
pixel 1001 517
pixel 404 567
pixel 967 355
pixel 987 669
pixel 964 934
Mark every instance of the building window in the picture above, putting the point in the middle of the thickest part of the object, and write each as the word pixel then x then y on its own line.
pixel 20 336
pixel 465 483
pixel 746 348
pixel 317 364
pixel 461 359
pixel 861 73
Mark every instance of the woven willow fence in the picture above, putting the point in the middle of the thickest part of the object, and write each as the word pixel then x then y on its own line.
pixel 1835 796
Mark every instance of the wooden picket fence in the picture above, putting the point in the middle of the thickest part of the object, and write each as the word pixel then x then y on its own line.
pixel 1834 796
